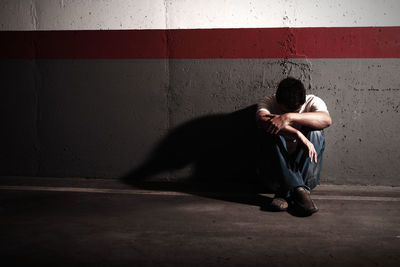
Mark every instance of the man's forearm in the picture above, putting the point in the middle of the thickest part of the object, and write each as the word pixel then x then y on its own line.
pixel 289 131
pixel 315 120
pixel 266 120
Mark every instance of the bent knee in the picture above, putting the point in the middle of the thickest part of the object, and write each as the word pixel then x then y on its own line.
pixel 316 136
pixel 313 175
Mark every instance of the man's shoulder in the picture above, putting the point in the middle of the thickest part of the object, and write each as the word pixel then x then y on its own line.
pixel 313 98
pixel 268 103
pixel 315 103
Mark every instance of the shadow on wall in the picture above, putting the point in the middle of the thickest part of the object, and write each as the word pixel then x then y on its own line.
pixel 223 150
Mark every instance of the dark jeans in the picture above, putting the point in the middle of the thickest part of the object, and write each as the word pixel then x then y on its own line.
pixel 291 171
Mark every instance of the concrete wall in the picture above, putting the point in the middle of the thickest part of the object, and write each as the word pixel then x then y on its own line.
pixel 191 14
pixel 103 117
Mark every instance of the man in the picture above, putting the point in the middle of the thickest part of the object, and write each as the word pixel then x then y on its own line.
pixel 292 124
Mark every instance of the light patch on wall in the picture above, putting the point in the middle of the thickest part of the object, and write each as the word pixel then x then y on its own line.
pixel 81 15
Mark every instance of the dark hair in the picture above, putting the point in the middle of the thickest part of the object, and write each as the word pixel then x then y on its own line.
pixel 291 93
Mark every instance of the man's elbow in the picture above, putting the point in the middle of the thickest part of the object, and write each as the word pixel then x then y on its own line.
pixel 324 121
pixel 328 121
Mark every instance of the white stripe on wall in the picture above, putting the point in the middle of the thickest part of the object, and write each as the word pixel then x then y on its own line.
pixel 188 14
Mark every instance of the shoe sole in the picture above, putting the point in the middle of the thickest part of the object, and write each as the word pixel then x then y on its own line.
pixel 301 211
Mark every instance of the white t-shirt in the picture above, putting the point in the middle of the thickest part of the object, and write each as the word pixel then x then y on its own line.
pixel 312 104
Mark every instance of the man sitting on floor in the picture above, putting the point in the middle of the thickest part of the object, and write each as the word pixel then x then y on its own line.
pixel 292 126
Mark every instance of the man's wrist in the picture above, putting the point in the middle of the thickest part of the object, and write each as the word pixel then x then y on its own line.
pixel 299 134
pixel 288 117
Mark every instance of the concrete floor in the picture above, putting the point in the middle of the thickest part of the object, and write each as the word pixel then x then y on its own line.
pixel 60 222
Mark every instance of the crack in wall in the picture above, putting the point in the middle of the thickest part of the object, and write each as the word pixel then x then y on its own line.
pixel 167 65
pixel 34 17
pixel 289 65
pixel 168 93
pixel 289 46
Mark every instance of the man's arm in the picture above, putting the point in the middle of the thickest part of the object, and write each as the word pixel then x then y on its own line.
pixel 315 120
pixel 264 121
pixel 264 118
pixel 273 124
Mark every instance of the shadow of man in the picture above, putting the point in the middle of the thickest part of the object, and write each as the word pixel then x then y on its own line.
pixel 224 151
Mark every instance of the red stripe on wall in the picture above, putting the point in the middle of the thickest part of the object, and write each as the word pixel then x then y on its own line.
pixel 346 42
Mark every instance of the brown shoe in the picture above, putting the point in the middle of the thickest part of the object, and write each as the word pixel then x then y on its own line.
pixel 303 202
pixel 278 204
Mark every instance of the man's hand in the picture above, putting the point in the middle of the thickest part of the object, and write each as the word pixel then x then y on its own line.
pixel 308 147
pixel 275 123
pixel 272 123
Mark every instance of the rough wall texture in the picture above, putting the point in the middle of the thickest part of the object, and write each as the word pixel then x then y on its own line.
pixel 102 118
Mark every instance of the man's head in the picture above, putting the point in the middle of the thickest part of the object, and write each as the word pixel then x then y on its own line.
pixel 291 94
